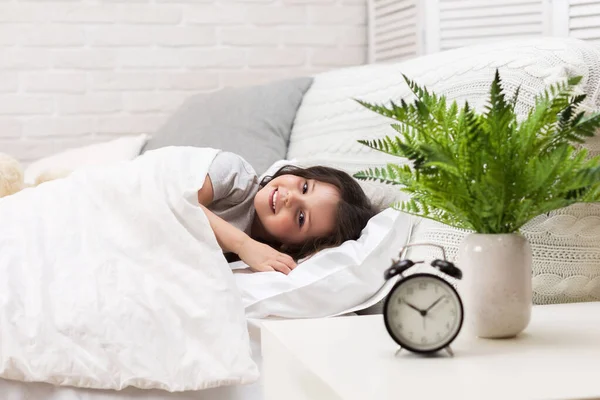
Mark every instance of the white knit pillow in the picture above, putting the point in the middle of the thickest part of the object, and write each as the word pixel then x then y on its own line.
pixel 565 245
pixel 328 124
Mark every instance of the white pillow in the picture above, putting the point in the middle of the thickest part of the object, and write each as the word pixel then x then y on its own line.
pixel 332 282
pixel 98 154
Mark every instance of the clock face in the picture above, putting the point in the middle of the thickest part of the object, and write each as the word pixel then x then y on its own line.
pixel 423 313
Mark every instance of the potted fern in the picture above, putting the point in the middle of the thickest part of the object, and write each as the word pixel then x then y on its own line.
pixel 490 173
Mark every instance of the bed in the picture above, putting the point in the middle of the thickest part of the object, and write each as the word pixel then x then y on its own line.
pixel 324 130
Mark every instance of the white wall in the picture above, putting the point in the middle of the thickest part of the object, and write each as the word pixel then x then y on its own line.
pixel 74 72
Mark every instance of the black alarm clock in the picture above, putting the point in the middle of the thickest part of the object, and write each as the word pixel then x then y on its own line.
pixel 423 313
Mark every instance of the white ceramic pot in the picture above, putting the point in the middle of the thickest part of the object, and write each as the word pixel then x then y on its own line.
pixel 496 286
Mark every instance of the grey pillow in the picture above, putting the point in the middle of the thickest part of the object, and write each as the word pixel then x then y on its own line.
pixel 254 122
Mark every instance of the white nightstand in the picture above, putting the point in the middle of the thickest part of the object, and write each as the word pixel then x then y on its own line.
pixel 347 358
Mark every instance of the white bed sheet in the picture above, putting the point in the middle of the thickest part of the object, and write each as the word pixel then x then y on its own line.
pixel 14 390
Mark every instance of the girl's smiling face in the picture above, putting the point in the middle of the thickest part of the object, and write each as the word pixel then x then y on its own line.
pixel 291 209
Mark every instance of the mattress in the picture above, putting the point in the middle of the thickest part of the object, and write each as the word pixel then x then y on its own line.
pixel 14 390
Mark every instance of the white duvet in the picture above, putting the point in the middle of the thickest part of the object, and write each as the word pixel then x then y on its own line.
pixel 113 277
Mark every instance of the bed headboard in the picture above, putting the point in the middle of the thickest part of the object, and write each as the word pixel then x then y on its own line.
pixel 393 29
pixel 402 29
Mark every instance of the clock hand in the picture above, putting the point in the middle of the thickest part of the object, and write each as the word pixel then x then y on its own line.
pixel 422 312
pixel 434 303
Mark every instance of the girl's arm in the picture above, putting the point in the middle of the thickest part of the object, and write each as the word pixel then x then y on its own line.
pixel 258 256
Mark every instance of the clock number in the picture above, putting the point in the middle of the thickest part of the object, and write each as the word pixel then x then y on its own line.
pixel 410 335
pixel 448 325
pixel 399 326
pixel 438 335
pixel 423 340
pixel 409 291
pixel 423 286
pixel 453 312
pixel 436 289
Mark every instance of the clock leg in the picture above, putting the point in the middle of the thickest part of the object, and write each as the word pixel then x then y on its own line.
pixel 449 351
pixel 398 351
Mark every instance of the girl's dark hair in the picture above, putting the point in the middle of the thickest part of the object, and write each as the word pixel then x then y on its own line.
pixel 353 212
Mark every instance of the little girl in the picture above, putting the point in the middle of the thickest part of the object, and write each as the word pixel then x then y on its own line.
pixel 288 216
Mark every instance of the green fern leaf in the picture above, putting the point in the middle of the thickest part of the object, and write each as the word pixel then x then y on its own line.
pixel 489 172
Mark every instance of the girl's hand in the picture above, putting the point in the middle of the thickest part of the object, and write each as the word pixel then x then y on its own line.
pixel 261 257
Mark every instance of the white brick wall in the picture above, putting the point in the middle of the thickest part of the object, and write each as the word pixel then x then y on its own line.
pixel 75 72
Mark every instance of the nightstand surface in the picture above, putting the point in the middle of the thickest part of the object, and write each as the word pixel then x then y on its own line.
pixel 348 358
